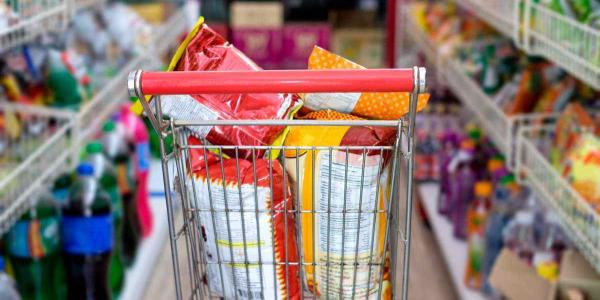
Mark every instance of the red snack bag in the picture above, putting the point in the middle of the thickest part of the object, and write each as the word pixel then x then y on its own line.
pixel 270 231
pixel 206 50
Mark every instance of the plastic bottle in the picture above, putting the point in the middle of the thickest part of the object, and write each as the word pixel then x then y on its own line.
pixel 65 88
pixel 551 245
pixel 33 247
pixel 138 133
pixel 462 181
pixel 60 188
pixel 446 153
pixel 105 174
pixel 7 285
pixel 520 236
pixel 476 221
pixel 131 226
pixel 87 238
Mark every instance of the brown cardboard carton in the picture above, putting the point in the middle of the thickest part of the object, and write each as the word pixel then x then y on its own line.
pixel 256 15
pixel 365 46
pixel 517 280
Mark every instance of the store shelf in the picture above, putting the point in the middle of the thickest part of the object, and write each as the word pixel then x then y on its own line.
pixel 139 274
pixel 577 216
pixel 42 156
pixel 417 34
pixel 22 181
pixel 29 19
pixel 453 250
pixel 538 30
pixel 570 44
pixel 500 14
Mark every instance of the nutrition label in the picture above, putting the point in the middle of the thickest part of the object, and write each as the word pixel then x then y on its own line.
pixel 186 108
pixel 232 229
pixel 347 237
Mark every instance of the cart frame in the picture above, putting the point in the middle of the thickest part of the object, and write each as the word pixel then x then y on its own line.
pixel 156 84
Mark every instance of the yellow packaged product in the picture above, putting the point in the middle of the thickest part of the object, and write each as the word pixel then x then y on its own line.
pixel 348 189
pixel 381 106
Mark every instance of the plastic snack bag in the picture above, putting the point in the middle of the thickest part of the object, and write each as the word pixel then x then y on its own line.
pixel 341 180
pixel 205 50
pixel 249 227
pixel 582 168
pixel 382 106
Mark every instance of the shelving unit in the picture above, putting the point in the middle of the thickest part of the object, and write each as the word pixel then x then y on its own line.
pixel 539 30
pixel 512 136
pixel 29 19
pixel 454 251
pixel 60 149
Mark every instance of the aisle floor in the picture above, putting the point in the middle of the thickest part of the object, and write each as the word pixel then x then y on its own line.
pixel 429 278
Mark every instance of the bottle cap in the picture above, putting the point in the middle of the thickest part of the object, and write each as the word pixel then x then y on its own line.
pixel 109 126
pixel 475 134
pixel 483 189
pixel 94 147
pixel 85 169
pixel 467 144
pixel 494 165
pixel 507 179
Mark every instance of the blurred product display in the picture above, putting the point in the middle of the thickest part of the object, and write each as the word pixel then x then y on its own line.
pixel 99 176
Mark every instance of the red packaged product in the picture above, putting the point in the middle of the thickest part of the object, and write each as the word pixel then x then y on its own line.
pixel 232 186
pixel 206 50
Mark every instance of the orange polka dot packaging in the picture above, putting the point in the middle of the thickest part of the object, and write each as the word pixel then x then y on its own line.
pixel 250 233
pixel 380 106
pixel 337 180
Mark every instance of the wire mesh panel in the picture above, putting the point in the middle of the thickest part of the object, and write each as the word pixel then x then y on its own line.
pixel 320 218
pixel 569 43
pixel 24 20
pixel 34 146
pixel 578 217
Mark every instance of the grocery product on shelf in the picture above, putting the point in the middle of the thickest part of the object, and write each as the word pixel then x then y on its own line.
pixel 137 133
pixel 463 175
pixel 245 204
pixel 116 150
pixel 341 181
pixel 33 248
pixel 551 245
pixel 581 166
pixel 390 106
pixel 191 56
pixel 477 215
pixel 106 177
pixel 8 290
pixel 87 237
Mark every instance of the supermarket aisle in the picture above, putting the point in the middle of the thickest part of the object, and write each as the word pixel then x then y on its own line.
pixel 429 276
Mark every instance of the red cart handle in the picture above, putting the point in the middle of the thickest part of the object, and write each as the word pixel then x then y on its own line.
pixel 290 81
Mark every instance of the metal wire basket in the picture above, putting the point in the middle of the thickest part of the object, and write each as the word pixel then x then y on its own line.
pixel 251 229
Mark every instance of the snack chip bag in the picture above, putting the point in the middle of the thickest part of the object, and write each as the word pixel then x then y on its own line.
pixel 339 180
pixel 582 168
pixel 205 50
pixel 382 106
pixel 259 223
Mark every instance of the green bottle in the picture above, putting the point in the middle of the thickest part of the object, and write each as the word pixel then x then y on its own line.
pixel 33 246
pixel 106 176
pixel 66 91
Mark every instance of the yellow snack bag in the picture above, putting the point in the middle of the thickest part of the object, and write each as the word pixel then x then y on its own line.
pixel 381 106
pixel 347 244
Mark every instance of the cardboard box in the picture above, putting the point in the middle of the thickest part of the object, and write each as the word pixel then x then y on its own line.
pixel 364 46
pixel 256 14
pixel 256 29
pixel 299 40
pixel 516 280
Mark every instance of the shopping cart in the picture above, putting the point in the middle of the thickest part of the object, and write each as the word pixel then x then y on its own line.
pixel 234 263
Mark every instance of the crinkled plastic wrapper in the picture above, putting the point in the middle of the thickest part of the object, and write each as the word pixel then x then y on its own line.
pixel 205 50
pixel 379 106
pixel 259 227
pixel 336 181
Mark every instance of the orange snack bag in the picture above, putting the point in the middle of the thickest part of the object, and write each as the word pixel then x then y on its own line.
pixel 381 106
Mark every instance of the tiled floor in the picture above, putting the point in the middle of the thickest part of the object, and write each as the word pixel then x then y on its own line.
pixel 428 275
